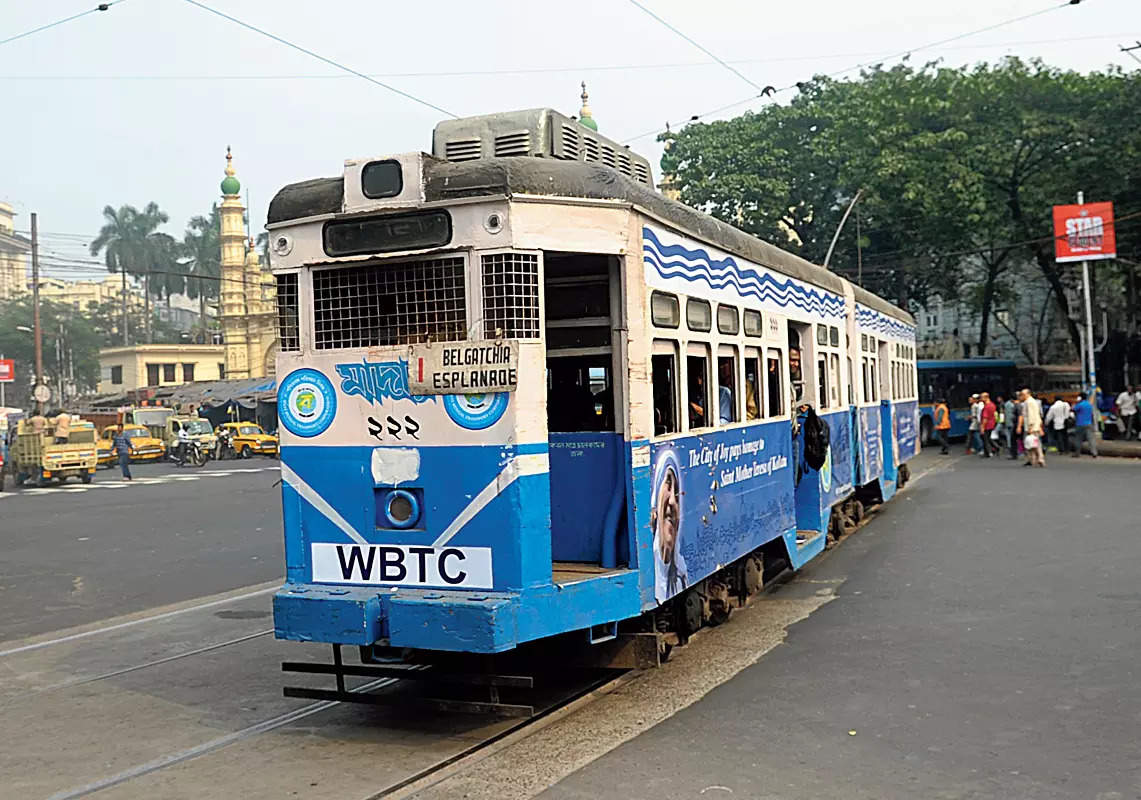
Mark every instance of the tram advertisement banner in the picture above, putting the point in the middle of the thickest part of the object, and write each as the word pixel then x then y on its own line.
pixel 1084 232
pixel 716 496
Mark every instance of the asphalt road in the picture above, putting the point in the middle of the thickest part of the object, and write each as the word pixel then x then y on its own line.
pixel 79 554
pixel 983 644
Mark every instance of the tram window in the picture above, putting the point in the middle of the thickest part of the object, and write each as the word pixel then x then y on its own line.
pixel 753 323
pixel 382 179
pixel 822 381
pixel 874 383
pixel 665 310
pixel 728 321
pixel 773 387
pixel 851 384
pixel 752 387
pixel 822 334
pixel 726 390
pixel 867 380
pixel 698 394
pixel 834 383
pixel 580 396
pixel 664 369
pixel 834 336
pixel 698 315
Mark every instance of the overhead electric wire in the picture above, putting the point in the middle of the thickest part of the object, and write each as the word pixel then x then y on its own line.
pixel 703 48
pixel 58 22
pixel 480 73
pixel 908 51
pixel 321 58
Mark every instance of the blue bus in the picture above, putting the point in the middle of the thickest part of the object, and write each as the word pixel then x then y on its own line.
pixel 956 380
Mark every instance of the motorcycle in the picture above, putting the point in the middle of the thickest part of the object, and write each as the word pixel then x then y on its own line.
pixel 224 449
pixel 192 453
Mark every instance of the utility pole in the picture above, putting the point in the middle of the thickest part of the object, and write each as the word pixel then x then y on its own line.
pixel 37 334
pixel 859 252
pixel 123 297
pixel 1091 375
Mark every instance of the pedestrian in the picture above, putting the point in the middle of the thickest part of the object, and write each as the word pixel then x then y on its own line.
pixel 1030 429
pixel 62 427
pixel 988 422
pixel 974 443
pixel 121 445
pixel 1057 419
pixel 1083 426
pixel 1003 441
pixel 1127 409
pixel 1011 411
pixel 943 424
pixel 38 422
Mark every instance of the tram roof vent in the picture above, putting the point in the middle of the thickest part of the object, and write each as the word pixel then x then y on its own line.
pixel 539 132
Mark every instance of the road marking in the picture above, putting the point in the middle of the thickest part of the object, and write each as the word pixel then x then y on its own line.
pixel 156 480
pixel 131 623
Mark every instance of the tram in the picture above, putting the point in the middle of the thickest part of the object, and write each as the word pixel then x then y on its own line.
pixel 522 394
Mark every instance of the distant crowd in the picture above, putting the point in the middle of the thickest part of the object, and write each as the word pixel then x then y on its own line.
pixel 1023 426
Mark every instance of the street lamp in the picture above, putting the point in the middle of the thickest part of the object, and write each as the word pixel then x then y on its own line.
pixel 24 328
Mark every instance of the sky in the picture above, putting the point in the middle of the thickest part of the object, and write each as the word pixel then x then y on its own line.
pixel 138 103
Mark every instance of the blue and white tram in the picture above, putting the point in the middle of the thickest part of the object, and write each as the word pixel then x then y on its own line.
pixel 524 396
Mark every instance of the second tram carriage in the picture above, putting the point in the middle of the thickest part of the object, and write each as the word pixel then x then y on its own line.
pixel 523 394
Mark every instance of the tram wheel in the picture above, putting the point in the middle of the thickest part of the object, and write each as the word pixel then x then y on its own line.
pixel 689 614
pixel 754 575
pixel 857 511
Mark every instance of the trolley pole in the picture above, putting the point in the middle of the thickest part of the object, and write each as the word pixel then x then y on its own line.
pixel 37 333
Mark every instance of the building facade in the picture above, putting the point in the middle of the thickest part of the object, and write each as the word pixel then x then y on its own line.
pixel 123 369
pixel 82 295
pixel 15 255
pixel 247 296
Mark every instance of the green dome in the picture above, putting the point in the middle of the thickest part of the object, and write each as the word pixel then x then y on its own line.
pixel 589 123
pixel 230 185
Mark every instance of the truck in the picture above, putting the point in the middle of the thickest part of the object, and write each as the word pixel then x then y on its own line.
pixel 36 457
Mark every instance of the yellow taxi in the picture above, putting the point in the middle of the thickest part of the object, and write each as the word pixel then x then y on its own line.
pixel 141 442
pixel 249 439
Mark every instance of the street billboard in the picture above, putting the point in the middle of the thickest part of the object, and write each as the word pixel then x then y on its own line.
pixel 1084 232
pixel 7 370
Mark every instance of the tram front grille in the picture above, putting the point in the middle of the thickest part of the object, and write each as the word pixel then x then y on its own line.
pixel 511 295
pixel 287 316
pixel 376 305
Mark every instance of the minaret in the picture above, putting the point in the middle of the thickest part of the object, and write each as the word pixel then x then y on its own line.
pixel 232 294
pixel 585 115
pixel 668 186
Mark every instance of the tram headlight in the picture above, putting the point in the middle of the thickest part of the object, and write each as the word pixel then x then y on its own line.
pixel 401 508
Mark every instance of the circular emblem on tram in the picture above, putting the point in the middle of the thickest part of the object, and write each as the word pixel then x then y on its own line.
pixel 476 411
pixel 306 402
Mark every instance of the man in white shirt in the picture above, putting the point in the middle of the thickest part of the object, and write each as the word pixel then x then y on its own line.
pixel 1056 418
pixel 974 440
pixel 1127 408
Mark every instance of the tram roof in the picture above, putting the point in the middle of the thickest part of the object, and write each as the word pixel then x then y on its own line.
pixel 494 177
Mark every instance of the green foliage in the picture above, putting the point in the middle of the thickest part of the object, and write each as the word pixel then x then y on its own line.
pixel 958 168
pixel 77 352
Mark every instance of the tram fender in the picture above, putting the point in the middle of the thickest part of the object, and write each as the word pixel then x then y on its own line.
pixel 313 613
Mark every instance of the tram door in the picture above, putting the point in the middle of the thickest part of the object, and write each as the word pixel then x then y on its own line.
pixel 588 483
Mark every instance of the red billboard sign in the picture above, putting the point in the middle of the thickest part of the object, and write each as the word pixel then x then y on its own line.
pixel 1084 232
pixel 7 370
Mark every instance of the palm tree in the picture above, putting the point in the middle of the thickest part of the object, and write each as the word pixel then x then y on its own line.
pixel 131 242
pixel 118 242
pixel 202 254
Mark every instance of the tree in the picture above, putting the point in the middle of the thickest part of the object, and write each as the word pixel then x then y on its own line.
pixel 70 348
pixel 202 255
pixel 958 169
pixel 132 243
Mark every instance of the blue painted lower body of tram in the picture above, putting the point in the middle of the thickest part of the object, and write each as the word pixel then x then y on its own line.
pixel 720 520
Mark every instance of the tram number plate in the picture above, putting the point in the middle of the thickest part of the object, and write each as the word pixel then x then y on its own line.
pixel 402 565
pixel 463 367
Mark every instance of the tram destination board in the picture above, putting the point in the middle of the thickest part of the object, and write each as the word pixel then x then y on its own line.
pixel 463 367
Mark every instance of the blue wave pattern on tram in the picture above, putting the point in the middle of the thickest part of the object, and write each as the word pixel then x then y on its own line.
pixel 881 323
pixel 673 260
